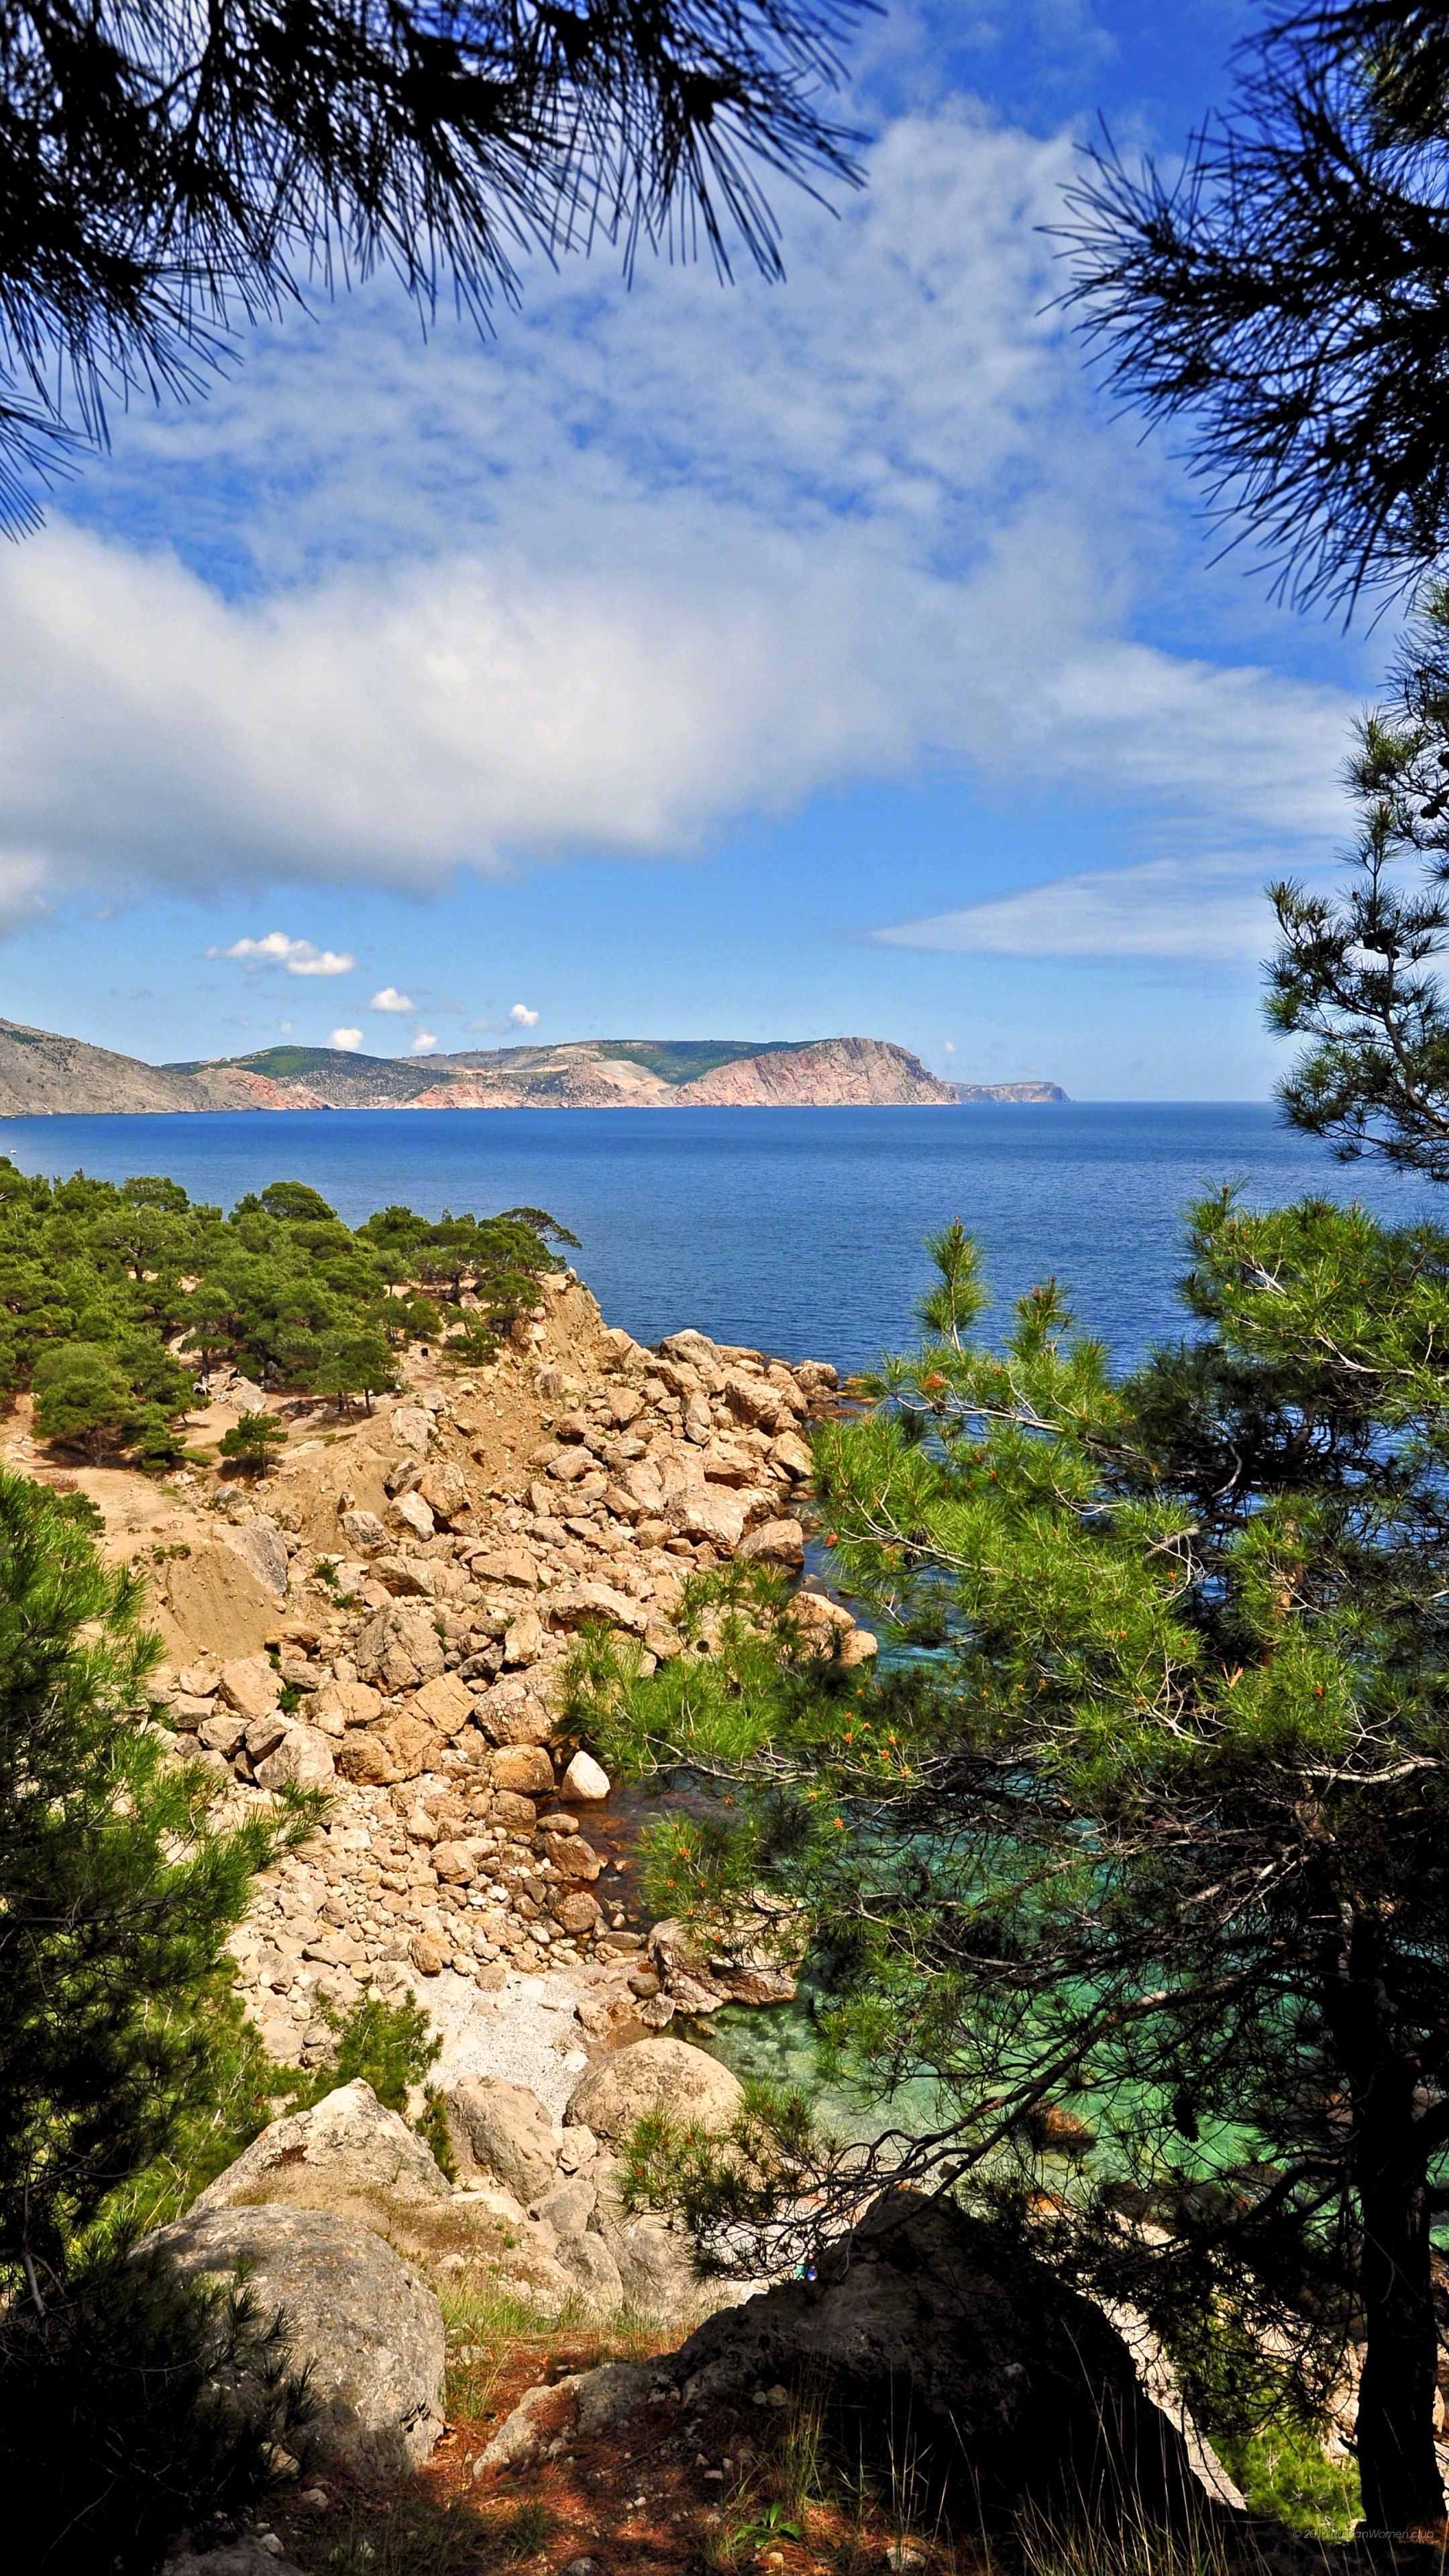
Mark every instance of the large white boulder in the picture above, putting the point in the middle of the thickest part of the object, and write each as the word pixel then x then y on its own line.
pixel 345 2149
pixel 655 2075
pixel 363 2324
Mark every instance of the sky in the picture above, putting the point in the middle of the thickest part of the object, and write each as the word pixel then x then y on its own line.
pixel 687 658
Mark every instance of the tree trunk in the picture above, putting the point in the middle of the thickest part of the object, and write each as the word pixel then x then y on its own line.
pixel 1403 2493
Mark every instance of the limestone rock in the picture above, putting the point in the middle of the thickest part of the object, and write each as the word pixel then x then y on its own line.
pixel 399 1647
pixel 953 2331
pixel 655 2075
pixel 775 1543
pixel 411 1428
pixel 222 1731
pixel 791 1452
pixel 364 1531
pixel 445 1703
pixel 244 2557
pixel 260 1546
pixel 585 1778
pixel 366 1762
pixel 345 2149
pixel 523 1638
pixel 250 1685
pixel 368 2330
pixel 444 1488
pixel 592 2271
pixel 503 2129
pixel 709 1512
pixel 200 1678
pixel 507 1565
pixel 414 1513
pixel 302 1760
pixel 524 1768
pixel 752 1400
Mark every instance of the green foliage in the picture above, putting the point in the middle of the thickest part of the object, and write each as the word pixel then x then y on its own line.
pixel 389 2045
pixel 117 2421
pixel 119 1890
pixel 1160 1835
pixel 254 1441
pixel 99 1286
pixel 1355 974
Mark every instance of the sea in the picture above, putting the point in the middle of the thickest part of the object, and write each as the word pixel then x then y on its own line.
pixel 797 1231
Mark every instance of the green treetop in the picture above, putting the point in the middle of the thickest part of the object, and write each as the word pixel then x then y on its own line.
pixel 1160 1830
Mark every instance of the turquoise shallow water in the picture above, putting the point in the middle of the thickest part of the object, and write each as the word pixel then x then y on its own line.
pixel 796 1230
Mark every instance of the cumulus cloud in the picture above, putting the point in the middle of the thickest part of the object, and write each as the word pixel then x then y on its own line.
pixel 347 1039
pixel 522 1017
pixel 299 956
pixel 390 999
pixel 423 1043
pixel 651 562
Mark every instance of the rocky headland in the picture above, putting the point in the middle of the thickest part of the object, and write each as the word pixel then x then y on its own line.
pixel 45 1075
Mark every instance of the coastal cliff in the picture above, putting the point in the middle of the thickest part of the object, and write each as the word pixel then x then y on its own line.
pixel 43 1075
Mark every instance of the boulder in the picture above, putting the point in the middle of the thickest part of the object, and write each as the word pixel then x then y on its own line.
pixel 444 1702
pixel 399 1647
pixel 713 1513
pixel 411 1428
pixel 753 1400
pixel 503 2129
pixel 366 1762
pixel 444 1488
pixel 511 1713
pixel 591 2270
pixel 414 1513
pixel 251 1685
pixel 585 1778
pixel 524 1768
pixel 222 1731
pixel 260 1546
pixel 412 1743
pixel 523 1638
pixel 790 1452
pixel 655 2075
pixel 507 1565
pixel 775 1543
pixel 949 2334
pixel 338 1705
pixel 367 2329
pixel 246 2557
pixel 571 1856
pixel 200 1678
pixel 346 2149
pixel 364 1531
pixel 302 1760
pixel 577 1913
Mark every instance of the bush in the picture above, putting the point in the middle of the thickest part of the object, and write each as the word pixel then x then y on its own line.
pixel 138 2404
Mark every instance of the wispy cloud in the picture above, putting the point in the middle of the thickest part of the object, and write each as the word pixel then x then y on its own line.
pixel 1208 910
pixel 390 999
pixel 299 956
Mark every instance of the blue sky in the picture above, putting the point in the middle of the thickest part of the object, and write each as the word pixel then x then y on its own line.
pixel 690 661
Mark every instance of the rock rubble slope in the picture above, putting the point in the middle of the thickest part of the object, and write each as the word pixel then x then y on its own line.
pixel 385 1616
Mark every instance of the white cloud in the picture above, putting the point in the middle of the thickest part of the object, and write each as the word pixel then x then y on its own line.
pixel 522 1017
pixel 651 561
pixel 949 1047
pixel 299 956
pixel 347 1039
pixel 390 999
pixel 1209 910
pixel 423 1043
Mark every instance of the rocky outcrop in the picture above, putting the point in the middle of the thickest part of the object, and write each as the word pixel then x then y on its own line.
pixel 951 2335
pixel 1030 1095
pixel 364 2325
pixel 42 1076
pixel 836 1073
pixel 346 2150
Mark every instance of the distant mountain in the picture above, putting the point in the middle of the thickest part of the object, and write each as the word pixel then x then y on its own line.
pixel 1030 1094
pixel 46 1076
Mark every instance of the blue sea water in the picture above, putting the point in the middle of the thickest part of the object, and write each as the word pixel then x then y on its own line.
pixel 797 1230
